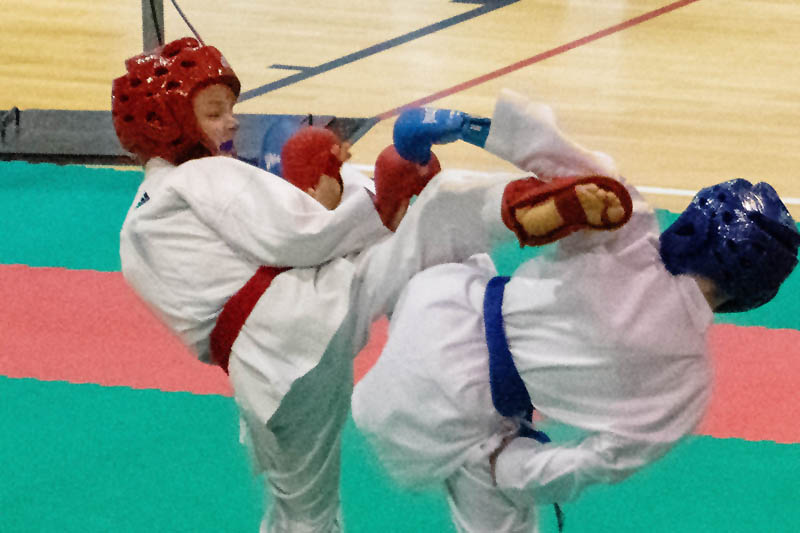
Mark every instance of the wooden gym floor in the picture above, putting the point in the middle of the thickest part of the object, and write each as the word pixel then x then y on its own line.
pixel 681 94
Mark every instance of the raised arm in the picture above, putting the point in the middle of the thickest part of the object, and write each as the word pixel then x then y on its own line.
pixel 272 221
pixel 553 473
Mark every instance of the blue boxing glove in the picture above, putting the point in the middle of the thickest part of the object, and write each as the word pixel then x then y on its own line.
pixel 416 130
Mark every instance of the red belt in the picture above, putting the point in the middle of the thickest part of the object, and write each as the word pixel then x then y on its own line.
pixel 236 311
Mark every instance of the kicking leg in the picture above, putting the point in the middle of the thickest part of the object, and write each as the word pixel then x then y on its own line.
pixel 540 213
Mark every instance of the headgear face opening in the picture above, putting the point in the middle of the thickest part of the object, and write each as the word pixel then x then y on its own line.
pixel 740 236
pixel 151 105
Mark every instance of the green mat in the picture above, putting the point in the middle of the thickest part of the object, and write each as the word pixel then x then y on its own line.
pixel 63 216
pixel 92 459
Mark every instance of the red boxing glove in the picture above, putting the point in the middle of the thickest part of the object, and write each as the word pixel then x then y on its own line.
pixel 307 155
pixel 397 180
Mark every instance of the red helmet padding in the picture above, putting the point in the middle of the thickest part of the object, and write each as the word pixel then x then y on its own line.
pixel 307 155
pixel 398 179
pixel 151 104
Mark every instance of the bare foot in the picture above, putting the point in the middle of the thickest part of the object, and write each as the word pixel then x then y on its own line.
pixel 596 201
pixel 540 219
pixel 543 218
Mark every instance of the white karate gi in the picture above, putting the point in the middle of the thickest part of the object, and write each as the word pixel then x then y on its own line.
pixel 203 231
pixel 604 338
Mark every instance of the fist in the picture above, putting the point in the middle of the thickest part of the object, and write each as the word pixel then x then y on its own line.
pixel 416 130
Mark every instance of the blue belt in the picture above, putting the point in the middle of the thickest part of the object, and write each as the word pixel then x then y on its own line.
pixel 509 395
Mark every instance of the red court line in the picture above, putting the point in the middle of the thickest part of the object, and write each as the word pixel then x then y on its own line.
pixel 539 57
pixel 89 327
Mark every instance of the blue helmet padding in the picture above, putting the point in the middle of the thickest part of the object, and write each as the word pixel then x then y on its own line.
pixel 274 139
pixel 739 235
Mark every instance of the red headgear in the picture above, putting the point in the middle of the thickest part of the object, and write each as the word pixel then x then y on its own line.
pixel 307 155
pixel 398 179
pixel 152 104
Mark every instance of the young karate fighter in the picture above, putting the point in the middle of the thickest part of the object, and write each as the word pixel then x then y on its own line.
pixel 202 227
pixel 607 334
pixel 226 254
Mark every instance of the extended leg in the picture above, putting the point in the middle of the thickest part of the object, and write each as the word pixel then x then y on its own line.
pixel 299 446
pixel 543 212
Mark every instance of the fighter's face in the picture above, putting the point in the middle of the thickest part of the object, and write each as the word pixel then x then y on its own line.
pixel 213 109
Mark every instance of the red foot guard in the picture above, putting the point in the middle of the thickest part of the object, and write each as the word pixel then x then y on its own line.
pixel 532 192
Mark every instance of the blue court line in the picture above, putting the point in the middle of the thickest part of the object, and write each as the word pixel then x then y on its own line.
pixel 288 67
pixel 486 7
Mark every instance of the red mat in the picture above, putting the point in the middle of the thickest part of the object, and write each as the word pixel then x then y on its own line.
pixel 89 327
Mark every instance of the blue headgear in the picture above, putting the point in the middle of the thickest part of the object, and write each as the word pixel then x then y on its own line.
pixel 274 139
pixel 738 235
